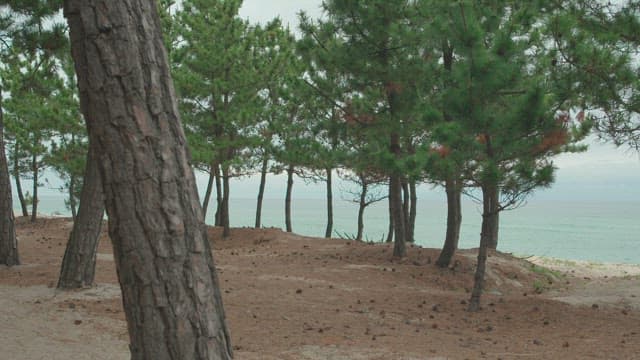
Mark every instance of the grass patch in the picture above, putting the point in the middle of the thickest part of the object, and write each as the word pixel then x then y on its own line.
pixel 550 276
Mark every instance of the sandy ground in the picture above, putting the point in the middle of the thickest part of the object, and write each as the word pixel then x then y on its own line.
pixel 293 297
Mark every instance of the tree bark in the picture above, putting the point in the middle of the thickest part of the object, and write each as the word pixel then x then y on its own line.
pixel 34 202
pixel 263 181
pixel 8 241
pixel 454 220
pixel 163 258
pixel 287 200
pixel 72 198
pixel 207 193
pixel 16 175
pixel 413 211
pixel 361 206
pixel 390 231
pixel 226 229
pixel 488 217
pixel 395 195
pixel 329 229
pixel 79 261
pixel 495 220
pixel 405 209
pixel 217 176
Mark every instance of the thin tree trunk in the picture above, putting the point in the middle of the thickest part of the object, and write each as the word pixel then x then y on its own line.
pixel 495 221
pixel 217 176
pixel 170 290
pixel 226 229
pixel 207 193
pixel 454 220
pixel 390 231
pixel 79 261
pixel 287 200
pixel 405 209
pixel 405 206
pixel 488 216
pixel 329 230
pixel 361 206
pixel 413 211
pixel 34 203
pixel 8 241
pixel 395 195
pixel 16 176
pixel 263 181
pixel 72 198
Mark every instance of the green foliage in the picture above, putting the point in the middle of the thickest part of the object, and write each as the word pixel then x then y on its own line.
pixel 68 146
pixel 367 66
pixel 43 123
pixel 224 70
pixel 501 119
pixel 594 65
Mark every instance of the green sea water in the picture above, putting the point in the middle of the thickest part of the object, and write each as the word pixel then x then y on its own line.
pixel 592 231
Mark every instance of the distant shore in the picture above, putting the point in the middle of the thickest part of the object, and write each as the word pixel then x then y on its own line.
pixel 581 268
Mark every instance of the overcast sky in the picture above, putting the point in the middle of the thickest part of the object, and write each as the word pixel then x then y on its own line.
pixel 603 172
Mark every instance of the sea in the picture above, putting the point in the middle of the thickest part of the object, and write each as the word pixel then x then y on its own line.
pixel 595 231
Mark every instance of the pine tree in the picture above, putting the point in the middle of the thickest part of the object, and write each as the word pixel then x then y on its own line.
pixel 8 242
pixel 592 61
pixel 170 290
pixel 219 70
pixel 380 59
pixel 506 109
pixel 69 144
pixel 31 77
pixel 275 45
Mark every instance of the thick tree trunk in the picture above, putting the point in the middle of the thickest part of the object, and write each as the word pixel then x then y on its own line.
pixel 454 220
pixel 361 206
pixel 495 220
pixel 8 241
pixel 79 262
pixel 413 211
pixel 16 176
pixel 390 231
pixel 34 202
pixel 329 229
pixel 170 290
pixel 219 196
pixel 287 200
pixel 488 217
pixel 207 193
pixel 226 229
pixel 263 181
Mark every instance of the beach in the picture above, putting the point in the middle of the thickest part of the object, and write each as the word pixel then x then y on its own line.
pixel 288 296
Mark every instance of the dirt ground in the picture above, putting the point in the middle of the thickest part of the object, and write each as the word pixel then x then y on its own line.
pixel 293 297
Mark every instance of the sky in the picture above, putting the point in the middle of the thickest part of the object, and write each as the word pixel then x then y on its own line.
pixel 602 173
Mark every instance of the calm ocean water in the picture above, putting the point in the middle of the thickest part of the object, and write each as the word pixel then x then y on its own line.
pixel 593 231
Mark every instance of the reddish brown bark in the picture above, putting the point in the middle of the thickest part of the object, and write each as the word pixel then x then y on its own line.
pixel 170 290
pixel 79 261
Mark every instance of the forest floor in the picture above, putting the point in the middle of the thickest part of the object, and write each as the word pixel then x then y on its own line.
pixel 300 298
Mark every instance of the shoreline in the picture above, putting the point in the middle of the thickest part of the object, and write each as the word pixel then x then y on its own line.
pixel 574 267
pixel 582 268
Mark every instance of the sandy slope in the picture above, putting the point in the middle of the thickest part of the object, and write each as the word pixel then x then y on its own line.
pixel 293 297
